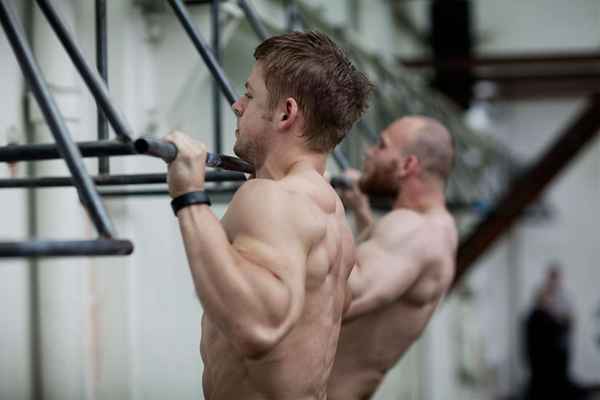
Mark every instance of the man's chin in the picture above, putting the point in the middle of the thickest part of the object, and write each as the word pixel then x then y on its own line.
pixel 238 151
pixel 374 188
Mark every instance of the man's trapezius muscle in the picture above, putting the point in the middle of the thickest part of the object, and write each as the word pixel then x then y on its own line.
pixel 272 274
pixel 405 261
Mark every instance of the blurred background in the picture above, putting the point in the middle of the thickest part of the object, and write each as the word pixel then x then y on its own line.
pixel 514 81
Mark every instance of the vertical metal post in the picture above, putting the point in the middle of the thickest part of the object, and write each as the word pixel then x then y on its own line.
pixel 67 148
pixel 217 108
pixel 102 65
pixel 290 15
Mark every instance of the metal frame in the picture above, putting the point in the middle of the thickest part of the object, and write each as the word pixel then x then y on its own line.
pixel 528 187
pixel 253 19
pixel 526 75
pixel 65 145
pixel 97 83
pixel 221 189
pixel 213 64
pixel 102 66
pixel 112 180
pixel 72 152
pixel 205 52
pixel 217 105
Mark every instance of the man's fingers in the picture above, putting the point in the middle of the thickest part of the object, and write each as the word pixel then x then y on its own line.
pixel 186 146
pixel 352 174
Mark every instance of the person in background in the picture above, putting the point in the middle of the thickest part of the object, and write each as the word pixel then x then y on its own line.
pixel 548 329
pixel 405 260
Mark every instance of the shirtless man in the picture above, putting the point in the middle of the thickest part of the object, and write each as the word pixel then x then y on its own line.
pixel 405 262
pixel 272 274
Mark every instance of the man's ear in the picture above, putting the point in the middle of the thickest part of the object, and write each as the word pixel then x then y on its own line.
pixel 288 114
pixel 410 165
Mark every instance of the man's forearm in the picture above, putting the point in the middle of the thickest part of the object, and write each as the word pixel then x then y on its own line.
pixel 206 247
pixel 363 219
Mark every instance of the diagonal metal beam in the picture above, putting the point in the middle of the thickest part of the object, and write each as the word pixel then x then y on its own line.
pixel 528 187
pixel 203 49
pixel 92 79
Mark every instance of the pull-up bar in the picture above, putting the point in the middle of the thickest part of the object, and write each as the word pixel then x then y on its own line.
pixel 147 146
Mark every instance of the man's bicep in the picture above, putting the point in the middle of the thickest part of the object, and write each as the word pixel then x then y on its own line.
pixel 386 273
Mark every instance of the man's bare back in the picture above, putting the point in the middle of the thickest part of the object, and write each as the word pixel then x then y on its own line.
pixel 298 365
pixel 407 265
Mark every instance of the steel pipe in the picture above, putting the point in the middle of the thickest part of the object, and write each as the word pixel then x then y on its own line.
pixel 54 248
pixel 205 52
pixel 113 180
pixel 102 66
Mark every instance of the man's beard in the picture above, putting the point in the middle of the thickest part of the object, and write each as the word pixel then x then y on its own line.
pixel 380 182
pixel 249 150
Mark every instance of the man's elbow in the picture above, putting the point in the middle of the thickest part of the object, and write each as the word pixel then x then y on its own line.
pixel 256 341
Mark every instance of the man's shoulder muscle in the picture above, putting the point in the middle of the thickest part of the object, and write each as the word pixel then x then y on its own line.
pixel 266 207
pixel 398 229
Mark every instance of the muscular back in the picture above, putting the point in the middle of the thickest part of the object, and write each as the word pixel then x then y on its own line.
pixel 298 365
pixel 403 271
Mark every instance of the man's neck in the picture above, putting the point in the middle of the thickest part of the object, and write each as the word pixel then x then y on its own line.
pixel 421 197
pixel 282 160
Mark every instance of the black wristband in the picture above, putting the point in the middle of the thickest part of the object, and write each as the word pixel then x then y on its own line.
pixel 188 199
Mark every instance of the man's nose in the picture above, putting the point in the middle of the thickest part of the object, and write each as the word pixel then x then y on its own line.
pixel 237 108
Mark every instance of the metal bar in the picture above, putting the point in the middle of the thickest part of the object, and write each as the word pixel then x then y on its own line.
pixel 147 146
pixel 538 77
pixel 66 147
pixel 557 88
pixel 554 59
pixel 341 182
pixel 528 186
pixel 102 65
pixel 112 180
pixel 372 136
pixel 91 78
pixel 290 15
pixel 53 248
pixel 203 49
pixel 49 151
pixel 340 159
pixel 217 106
pixel 219 190
pixel 254 20
pixel 168 152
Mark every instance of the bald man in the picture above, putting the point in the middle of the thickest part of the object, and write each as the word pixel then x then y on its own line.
pixel 405 261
